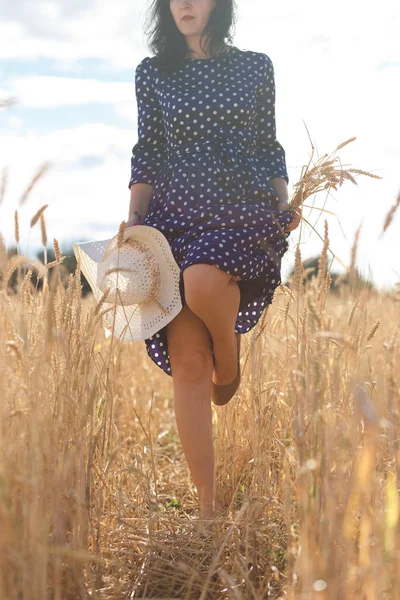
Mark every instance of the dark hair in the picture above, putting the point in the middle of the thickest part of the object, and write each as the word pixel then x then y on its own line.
pixel 169 45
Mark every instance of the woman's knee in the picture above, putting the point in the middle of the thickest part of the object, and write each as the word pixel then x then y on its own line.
pixel 204 280
pixel 189 347
pixel 192 366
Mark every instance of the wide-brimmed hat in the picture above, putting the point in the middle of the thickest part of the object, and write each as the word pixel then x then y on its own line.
pixel 142 277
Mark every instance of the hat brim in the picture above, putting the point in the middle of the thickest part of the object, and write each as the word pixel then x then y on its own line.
pixel 135 321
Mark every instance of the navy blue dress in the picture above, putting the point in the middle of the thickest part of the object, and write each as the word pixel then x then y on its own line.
pixel 207 143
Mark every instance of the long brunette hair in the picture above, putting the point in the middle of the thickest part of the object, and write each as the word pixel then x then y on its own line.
pixel 169 45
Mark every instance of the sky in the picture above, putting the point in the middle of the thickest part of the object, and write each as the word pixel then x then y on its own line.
pixel 70 66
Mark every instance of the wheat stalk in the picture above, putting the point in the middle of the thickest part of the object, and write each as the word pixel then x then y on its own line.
pixel 44 236
pixel 121 232
pixel 352 269
pixel 325 174
pixel 17 261
pixel 39 174
pixel 16 228
pixel 373 330
pixel 57 250
pixel 390 215
pixel 37 216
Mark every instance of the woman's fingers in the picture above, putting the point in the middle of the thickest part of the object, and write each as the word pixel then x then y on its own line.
pixel 131 223
pixel 296 221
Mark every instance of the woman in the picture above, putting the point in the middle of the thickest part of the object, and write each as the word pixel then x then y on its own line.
pixel 209 173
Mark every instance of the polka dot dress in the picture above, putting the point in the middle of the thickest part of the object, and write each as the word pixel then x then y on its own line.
pixel 207 143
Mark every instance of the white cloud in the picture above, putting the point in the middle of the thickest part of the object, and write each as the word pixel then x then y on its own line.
pixel 15 122
pixel 51 91
pixel 50 10
pixel 77 198
pixel 337 75
pixel 88 29
pixel 61 144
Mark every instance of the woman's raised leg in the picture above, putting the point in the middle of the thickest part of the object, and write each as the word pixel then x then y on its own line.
pixel 214 296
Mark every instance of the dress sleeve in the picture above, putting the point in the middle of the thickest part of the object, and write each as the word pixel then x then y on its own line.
pixel 267 144
pixel 150 150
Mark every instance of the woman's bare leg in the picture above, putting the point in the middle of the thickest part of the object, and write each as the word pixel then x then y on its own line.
pixel 189 347
pixel 214 296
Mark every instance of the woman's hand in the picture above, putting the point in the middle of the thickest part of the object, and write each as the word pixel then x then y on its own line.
pixel 296 221
pixel 297 215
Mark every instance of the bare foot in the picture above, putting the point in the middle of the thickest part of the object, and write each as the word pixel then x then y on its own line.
pixel 211 515
pixel 225 356
pixel 208 511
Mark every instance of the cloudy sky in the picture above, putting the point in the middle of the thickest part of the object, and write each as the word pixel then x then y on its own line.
pixel 70 66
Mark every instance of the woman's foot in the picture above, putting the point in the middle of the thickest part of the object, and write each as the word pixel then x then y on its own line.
pixel 222 393
pixel 208 511
pixel 225 361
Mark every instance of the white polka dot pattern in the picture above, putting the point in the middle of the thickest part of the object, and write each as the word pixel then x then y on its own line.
pixel 207 143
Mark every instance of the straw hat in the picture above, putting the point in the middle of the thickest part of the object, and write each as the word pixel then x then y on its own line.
pixel 142 277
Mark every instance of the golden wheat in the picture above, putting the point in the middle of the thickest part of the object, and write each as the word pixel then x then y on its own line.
pixel 95 495
pixel 390 216
pixel 38 214
pixel 312 487
pixel 38 175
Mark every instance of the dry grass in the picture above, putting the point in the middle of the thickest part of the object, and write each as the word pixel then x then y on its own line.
pixel 95 496
pixel 324 174
pixel 391 214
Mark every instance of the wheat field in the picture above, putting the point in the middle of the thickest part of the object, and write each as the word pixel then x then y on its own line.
pixel 96 500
